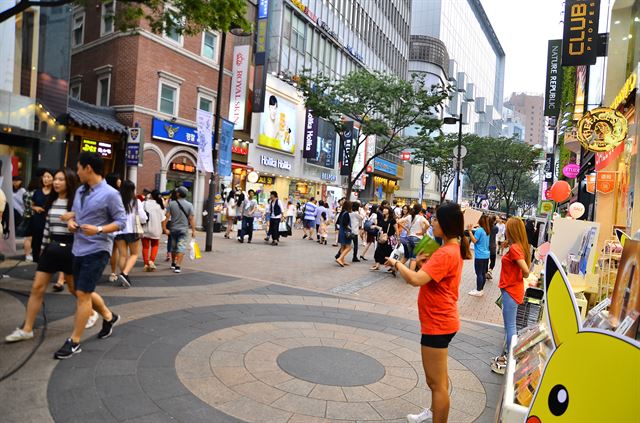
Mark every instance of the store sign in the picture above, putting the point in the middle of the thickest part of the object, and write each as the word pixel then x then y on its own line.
pixel 277 163
pixel 553 88
pixel 236 149
pixel 546 207
pixel 602 129
pixel 304 9
pixel 263 9
pixel 385 166
pixel 310 135
pixel 266 180
pixel 604 159
pixel 591 183
pixel 571 170
pixel 405 156
pixel 132 154
pixel 359 162
pixel 548 168
pixel 174 132
pixel 325 176
pixel 239 82
pixel 135 136
pixel 625 92
pixel 346 145
pixel 605 182
pixel 580 35
pixel 104 149
pixel 182 167
pixel 278 125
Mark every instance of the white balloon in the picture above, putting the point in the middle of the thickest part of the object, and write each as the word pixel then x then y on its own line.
pixel 576 210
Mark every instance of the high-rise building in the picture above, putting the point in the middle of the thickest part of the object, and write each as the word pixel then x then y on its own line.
pixel 513 126
pixel 530 109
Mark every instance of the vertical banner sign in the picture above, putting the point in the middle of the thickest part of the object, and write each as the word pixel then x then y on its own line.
pixel 260 56
pixel 310 136
pixel 226 142
pixel 549 168
pixel 205 124
pixel 580 35
pixel 345 148
pixel 239 81
pixel 553 88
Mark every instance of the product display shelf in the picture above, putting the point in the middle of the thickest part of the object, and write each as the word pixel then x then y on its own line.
pixel 511 412
pixel 608 270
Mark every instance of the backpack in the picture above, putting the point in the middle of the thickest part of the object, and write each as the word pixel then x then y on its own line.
pixel 367 226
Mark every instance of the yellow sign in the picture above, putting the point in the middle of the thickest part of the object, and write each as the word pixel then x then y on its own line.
pixel 602 129
pixel 626 90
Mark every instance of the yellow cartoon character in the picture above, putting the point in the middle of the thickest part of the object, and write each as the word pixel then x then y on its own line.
pixel 593 375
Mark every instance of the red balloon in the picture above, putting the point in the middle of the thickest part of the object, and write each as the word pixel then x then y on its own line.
pixel 560 191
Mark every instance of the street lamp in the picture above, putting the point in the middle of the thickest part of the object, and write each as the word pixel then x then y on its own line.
pixel 450 120
pixel 215 177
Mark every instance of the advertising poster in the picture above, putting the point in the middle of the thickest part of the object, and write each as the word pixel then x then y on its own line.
pixel 278 125
pixel 310 135
pixel 239 82
pixel 224 152
pixel 205 126
pixel 346 146
pixel 325 148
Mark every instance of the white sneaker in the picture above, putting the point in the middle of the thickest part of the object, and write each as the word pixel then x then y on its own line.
pixel 113 277
pixel 19 335
pixel 425 416
pixel 92 320
pixel 28 257
pixel 476 293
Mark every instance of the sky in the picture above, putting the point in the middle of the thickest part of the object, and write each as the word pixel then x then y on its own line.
pixel 524 28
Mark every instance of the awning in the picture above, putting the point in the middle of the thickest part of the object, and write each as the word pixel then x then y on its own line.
pixel 94 117
pixel 235 165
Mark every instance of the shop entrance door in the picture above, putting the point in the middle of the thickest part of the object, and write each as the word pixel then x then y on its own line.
pixel 175 181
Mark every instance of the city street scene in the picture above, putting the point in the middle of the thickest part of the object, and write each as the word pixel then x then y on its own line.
pixel 291 211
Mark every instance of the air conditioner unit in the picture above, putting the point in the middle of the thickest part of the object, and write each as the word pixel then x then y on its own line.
pixel 481 104
pixel 469 95
pixel 461 81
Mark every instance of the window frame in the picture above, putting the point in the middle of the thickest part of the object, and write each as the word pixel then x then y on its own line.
pixel 203 96
pixel 103 8
pixel 216 47
pixel 180 40
pixel 175 86
pixel 74 85
pixel 73 28
pixel 98 85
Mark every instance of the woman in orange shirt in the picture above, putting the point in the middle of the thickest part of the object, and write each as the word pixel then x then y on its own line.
pixel 439 282
pixel 515 267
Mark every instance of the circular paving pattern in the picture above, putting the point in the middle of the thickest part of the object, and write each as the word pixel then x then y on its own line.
pixel 331 366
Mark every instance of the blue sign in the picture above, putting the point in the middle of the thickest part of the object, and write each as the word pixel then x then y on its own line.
pixel 263 9
pixel 385 166
pixel 174 132
pixel 133 154
pixel 224 150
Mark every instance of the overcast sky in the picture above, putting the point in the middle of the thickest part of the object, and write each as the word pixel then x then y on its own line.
pixel 524 28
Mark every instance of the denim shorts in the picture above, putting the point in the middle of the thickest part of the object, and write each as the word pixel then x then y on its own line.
pixel 87 270
pixel 179 241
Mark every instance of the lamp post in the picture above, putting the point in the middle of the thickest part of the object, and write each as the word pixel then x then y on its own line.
pixel 450 120
pixel 215 177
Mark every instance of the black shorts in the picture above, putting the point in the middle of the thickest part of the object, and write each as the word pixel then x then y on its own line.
pixel 128 238
pixel 87 270
pixel 57 257
pixel 309 224
pixel 436 341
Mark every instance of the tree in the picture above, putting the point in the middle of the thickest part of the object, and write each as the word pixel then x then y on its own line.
pixel 476 167
pixel 185 16
pixel 383 105
pixel 437 154
pixel 526 197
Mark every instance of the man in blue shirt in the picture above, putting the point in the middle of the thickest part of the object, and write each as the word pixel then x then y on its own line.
pixel 309 218
pixel 97 213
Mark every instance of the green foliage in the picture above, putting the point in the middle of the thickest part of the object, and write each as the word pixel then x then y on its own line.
pixel 437 156
pixel 383 105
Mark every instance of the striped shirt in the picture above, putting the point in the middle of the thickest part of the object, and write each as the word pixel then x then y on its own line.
pixel 310 211
pixel 54 224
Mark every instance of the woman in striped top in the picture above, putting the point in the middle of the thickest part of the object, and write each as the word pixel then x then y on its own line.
pixel 56 249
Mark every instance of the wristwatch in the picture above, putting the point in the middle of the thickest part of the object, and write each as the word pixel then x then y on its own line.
pixel 99 229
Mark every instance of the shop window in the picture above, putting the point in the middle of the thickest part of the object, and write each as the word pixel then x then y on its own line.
pixel 75 90
pixel 168 99
pixel 107 17
pixel 209 45
pixel 78 29
pixel 205 103
pixel 102 97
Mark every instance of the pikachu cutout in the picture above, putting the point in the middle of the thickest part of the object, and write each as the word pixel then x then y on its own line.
pixel 592 375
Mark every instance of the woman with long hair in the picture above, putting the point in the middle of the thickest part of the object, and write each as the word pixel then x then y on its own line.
pixel 439 282
pixel 515 268
pixel 114 181
pixel 56 252
pixel 38 218
pixel 493 235
pixel 230 212
pixel 386 229
pixel 154 209
pixel 370 223
pixel 480 239
pixel 344 233
pixel 401 230
pixel 127 239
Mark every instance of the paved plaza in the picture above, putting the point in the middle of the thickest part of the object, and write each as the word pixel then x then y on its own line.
pixel 250 333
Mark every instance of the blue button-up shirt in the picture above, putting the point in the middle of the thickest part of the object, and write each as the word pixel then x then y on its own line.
pixel 100 205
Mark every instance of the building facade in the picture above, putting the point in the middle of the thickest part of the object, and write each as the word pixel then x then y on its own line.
pixel 513 124
pixel 529 108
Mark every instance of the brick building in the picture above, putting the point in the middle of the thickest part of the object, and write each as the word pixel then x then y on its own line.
pixel 156 81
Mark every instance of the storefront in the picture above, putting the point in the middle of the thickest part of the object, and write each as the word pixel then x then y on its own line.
pixel 383 181
pixel 274 173
pixel 239 164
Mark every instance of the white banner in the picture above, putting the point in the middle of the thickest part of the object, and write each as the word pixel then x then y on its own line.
pixel 205 128
pixel 359 161
pixel 239 81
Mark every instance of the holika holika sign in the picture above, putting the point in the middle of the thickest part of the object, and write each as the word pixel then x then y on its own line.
pixel 602 129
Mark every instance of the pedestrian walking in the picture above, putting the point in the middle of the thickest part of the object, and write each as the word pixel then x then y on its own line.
pixel 38 218
pixel 180 213
pixel 153 207
pixel 28 214
pixel 97 213
pixel 309 221
pixel 515 268
pixel 230 207
pixel 127 239
pixel 337 212
pixel 18 204
pixel 493 235
pixel 114 181
pixel 402 222
pixel 248 210
pixel 371 229
pixel 56 255
pixel 439 282
pixel 275 213
pixel 480 239
pixel 292 213
pixel 501 234
pixel 323 228
pixel 386 229
pixel 344 233
pixel 356 225
pixel 322 208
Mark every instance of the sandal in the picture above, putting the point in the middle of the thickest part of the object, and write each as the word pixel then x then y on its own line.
pixel 498 368
pixel 58 288
pixel 340 264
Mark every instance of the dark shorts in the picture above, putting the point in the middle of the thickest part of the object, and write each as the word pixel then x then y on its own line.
pixel 128 238
pixel 309 224
pixel 87 270
pixel 57 257
pixel 437 341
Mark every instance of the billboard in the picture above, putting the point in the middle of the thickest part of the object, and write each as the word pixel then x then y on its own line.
pixel 310 144
pixel 278 125
pixel 553 86
pixel 325 148
pixel 580 34
pixel 346 145
pixel 239 82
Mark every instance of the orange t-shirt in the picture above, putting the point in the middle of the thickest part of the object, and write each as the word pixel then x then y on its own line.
pixel 438 300
pixel 511 274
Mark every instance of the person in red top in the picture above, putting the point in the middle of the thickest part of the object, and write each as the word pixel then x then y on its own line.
pixel 515 267
pixel 439 281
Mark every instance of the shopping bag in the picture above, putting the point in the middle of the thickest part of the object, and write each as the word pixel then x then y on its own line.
pixel 194 251
pixel 282 229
